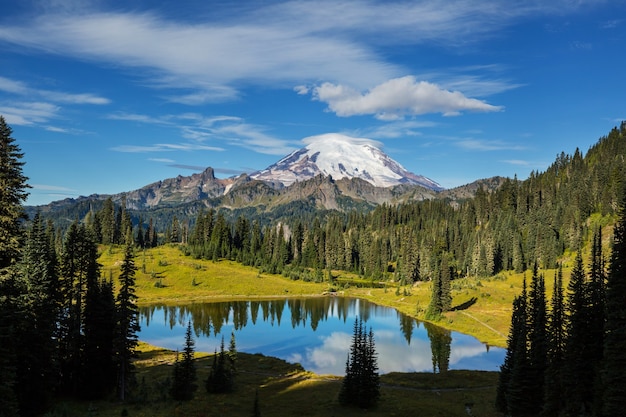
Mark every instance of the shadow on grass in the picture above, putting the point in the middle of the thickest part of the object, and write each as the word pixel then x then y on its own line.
pixel 465 305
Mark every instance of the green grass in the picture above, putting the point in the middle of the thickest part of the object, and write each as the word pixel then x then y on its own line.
pixel 286 389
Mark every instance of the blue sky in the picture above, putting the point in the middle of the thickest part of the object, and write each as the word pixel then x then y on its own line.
pixel 108 96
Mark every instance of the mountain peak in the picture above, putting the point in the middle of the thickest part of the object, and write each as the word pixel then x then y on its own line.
pixel 341 156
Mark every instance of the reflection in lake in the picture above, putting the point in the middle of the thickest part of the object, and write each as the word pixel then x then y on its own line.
pixel 316 332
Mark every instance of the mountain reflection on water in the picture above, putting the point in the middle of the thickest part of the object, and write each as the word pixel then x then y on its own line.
pixel 316 332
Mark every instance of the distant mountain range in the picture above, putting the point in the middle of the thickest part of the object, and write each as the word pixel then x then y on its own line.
pixel 333 172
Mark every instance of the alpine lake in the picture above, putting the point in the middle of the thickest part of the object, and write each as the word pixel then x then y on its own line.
pixel 317 333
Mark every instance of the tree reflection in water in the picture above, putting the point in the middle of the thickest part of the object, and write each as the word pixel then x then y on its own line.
pixel 316 332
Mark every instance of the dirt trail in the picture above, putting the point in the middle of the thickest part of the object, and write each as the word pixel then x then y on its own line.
pixel 483 323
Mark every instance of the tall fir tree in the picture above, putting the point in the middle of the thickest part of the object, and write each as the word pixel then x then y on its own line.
pixel 537 337
pixel 361 384
pixel 127 314
pixel 514 392
pixel 98 378
pixel 13 287
pixel 578 373
pixel 78 267
pixel 221 377
pixel 553 388
pixel 614 358
pixel 596 293
pixel 184 374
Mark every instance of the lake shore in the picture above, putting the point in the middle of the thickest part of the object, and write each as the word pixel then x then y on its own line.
pixel 166 276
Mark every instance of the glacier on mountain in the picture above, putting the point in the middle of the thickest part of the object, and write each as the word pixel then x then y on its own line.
pixel 340 156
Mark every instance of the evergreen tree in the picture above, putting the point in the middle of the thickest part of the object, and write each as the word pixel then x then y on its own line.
pixel 538 343
pixel 79 269
pixel 184 375
pixel 361 384
pixel 221 378
pixel 127 322
pixel 440 299
pixel 512 395
pixel 614 358
pixel 98 372
pixel 12 286
pixel 596 293
pixel 553 389
pixel 578 373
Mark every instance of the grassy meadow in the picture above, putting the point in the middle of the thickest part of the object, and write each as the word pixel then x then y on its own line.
pixel 286 389
pixel 166 276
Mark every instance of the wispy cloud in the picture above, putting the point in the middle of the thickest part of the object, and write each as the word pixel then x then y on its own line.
pixel 189 167
pixel 36 105
pixel 518 162
pixel 487 145
pixel 396 129
pixel 44 187
pixel 165 147
pixel 28 113
pixel 199 130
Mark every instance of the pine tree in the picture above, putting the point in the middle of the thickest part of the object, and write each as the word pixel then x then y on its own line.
pixel 98 372
pixel 553 389
pixel 79 268
pixel 614 358
pixel 538 343
pixel 12 286
pixel 184 375
pixel 596 293
pixel 221 378
pixel 127 322
pixel 361 384
pixel 512 395
pixel 440 299
pixel 577 369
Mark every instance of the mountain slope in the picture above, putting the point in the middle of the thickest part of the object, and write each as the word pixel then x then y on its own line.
pixel 340 157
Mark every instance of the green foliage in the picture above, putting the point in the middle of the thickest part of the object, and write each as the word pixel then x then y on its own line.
pixel 127 314
pixel 184 374
pixel 614 359
pixel 221 378
pixel 361 385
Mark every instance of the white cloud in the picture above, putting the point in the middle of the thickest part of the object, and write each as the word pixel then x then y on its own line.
pixel 44 187
pixel 227 130
pixel 19 113
pixel 26 112
pixel 397 98
pixel 396 129
pixel 165 147
pixel 518 162
pixel 487 145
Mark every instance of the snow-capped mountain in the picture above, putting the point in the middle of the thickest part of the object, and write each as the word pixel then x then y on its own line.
pixel 340 156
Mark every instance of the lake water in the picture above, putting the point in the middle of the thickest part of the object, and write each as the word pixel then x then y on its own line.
pixel 317 332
